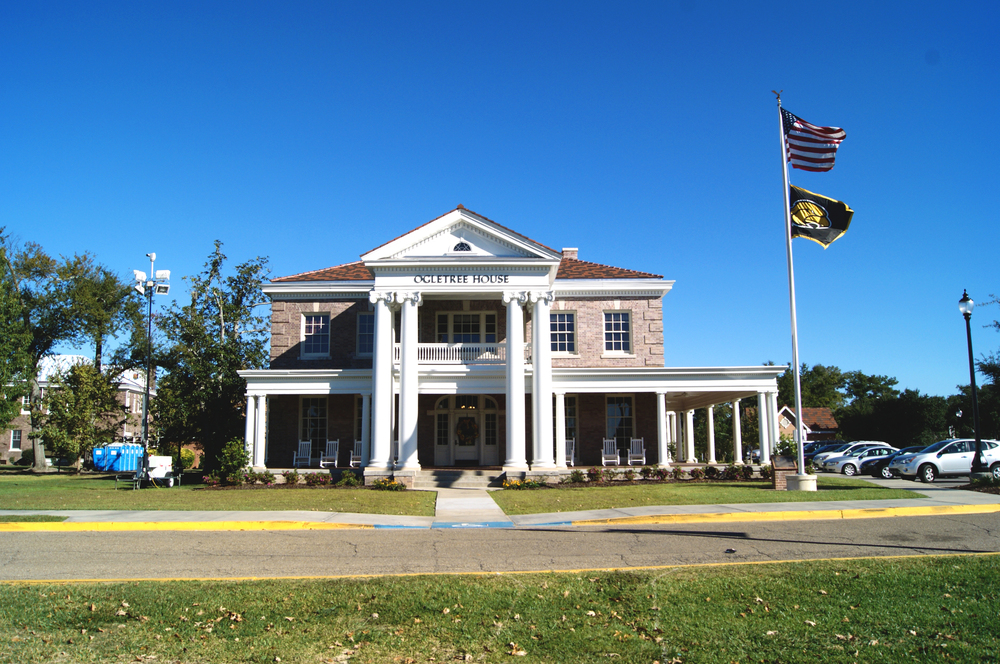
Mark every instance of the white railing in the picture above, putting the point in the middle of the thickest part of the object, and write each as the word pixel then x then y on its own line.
pixel 464 353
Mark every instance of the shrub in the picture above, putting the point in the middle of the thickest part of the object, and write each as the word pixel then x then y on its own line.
pixel 712 473
pixel 663 473
pixel 233 458
pixel 386 484
pixel 767 472
pixel 746 471
pixel 291 476
pixel 187 459
pixel 731 473
pixel 239 478
pixel 676 472
pixel 349 479
pixel 262 477
pixel 696 473
pixel 608 475
pixel 523 484
pixel 319 479
pixel 630 475
pixel 576 476
pixel 212 479
pixel 647 472
pixel 594 474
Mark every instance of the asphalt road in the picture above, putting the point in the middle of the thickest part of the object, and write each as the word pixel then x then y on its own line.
pixel 210 555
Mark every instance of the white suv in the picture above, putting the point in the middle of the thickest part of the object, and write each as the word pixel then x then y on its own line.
pixel 846 449
pixel 947 457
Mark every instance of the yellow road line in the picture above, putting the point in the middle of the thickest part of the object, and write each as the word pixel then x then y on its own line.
pixel 125 526
pixel 586 570
pixel 797 515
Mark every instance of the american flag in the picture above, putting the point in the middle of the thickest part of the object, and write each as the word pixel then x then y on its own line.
pixel 809 147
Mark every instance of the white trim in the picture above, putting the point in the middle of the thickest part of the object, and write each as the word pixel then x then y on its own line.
pixel 303 355
pixel 605 353
pixel 357 333
pixel 576 333
pixel 19 443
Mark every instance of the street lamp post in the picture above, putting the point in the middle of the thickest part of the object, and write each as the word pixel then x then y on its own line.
pixel 156 283
pixel 965 305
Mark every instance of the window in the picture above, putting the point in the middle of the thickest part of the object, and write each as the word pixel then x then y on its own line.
pixel 617 332
pixel 490 430
pixel 316 335
pixel 359 416
pixel 563 330
pixel 620 418
pixel 15 440
pixel 25 405
pixel 313 423
pixel 366 333
pixel 469 328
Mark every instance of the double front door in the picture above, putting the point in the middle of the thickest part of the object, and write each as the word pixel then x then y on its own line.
pixel 466 431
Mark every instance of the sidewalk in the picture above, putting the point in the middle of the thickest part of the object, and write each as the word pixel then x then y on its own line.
pixel 474 508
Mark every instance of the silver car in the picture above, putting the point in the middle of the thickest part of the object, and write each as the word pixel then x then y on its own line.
pixel 947 457
pixel 850 463
pixel 845 450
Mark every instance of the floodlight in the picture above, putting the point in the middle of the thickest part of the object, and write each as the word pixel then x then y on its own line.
pixel 163 274
pixel 140 276
pixel 139 287
pixel 162 289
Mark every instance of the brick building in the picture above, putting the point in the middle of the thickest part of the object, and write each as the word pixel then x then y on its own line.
pixel 428 353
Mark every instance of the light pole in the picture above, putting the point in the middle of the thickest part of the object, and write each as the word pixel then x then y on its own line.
pixel 965 305
pixel 155 284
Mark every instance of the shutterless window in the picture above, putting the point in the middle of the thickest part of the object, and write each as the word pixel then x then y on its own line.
pixel 15 440
pixel 619 419
pixel 313 423
pixel 366 333
pixel 468 328
pixel 617 332
pixel 316 334
pixel 563 332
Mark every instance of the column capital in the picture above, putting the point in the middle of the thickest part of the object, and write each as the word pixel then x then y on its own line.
pixel 541 296
pixel 516 297
pixel 402 297
pixel 381 296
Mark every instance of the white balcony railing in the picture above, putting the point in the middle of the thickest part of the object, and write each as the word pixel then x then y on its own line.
pixel 464 353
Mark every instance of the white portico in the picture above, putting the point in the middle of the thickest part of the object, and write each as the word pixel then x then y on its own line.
pixel 465 343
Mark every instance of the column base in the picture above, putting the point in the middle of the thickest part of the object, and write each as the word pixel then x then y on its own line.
pixel 371 474
pixel 515 471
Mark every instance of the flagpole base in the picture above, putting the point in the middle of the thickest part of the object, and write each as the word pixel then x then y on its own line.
pixel 800 483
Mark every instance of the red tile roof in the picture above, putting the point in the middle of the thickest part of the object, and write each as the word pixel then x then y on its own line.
pixel 573 268
pixel 818 418
pixel 355 271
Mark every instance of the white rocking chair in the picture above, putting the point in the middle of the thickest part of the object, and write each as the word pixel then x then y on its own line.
pixel 610 454
pixel 303 457
pixel 637 452
pixel 570 451
pixel 356 454
pixel 332 452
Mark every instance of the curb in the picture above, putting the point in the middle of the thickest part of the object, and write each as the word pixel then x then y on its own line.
pixel 124 526
pixel 798 515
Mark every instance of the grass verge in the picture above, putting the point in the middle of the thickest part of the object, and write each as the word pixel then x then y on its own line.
pixel 538 501
pixel 25 491
pixel 29 518
pixel 877 610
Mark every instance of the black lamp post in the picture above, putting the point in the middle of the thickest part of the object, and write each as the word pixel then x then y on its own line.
pixel 965 305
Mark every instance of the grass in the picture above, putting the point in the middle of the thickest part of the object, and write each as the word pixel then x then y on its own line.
pixel 30 518
pixel 684 493
pixel 24 491
pixel 878 610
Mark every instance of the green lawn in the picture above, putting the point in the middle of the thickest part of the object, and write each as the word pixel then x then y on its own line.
pixel 883 610
pixel 537 501
pixel 24 491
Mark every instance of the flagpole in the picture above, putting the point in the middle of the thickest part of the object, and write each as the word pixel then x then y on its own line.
pixel 791 293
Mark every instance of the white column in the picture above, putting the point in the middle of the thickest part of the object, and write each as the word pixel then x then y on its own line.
pixel 408 382
pixel 515 381
pixel 560 429
pixel 763 427
pixel 260 432
pixel 541 403
pixel 737 434
pixel 711 434
pixel 249 439
pixel 382 405
pixel 772 418
pixel 673 427
pixel 366 429
pixel 662 451
pixel 689 435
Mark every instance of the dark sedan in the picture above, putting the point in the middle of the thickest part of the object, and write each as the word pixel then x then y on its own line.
pixel 879 466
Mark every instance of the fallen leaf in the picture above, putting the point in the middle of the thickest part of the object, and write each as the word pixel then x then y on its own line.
pixel 771 633
pixel 810 623
pixel 823 592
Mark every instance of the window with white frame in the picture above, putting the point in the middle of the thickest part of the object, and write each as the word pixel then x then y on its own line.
pixel 466 327
pixel 569 410
pixel 617 331
pixel 316 335
pixel 562 327
pixel 313 424
pixel 25 405
pixel 15 440
pixel 366 333
pixel 619 419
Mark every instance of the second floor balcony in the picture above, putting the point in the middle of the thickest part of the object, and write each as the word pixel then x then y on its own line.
pixel 462 353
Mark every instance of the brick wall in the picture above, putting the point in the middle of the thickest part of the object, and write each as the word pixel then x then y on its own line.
pixel 646 329
pixel 286 331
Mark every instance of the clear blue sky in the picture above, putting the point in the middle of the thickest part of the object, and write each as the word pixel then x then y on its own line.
pixel 643 133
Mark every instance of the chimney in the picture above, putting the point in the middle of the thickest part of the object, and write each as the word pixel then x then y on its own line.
pixel 570 252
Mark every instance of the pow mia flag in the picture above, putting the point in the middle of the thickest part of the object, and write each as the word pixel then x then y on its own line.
pixel 818 218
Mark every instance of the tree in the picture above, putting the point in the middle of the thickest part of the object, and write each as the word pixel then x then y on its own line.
pixel 14 340
pixel 201 398
pixel 821 387
pixel 82 412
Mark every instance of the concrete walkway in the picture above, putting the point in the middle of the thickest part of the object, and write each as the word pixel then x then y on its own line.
pixel 474 508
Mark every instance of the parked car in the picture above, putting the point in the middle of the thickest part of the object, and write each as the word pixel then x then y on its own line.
pixel 879 466
pixel 826 446
pixel 947 457
pixel 850 463
pixel 845 449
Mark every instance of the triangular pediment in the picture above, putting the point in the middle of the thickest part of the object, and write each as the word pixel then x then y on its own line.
pixel 461 235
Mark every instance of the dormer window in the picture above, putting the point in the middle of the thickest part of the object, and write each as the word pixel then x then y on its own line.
pixel 462 246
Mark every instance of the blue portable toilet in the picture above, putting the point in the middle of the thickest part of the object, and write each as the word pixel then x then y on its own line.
pixel 99 455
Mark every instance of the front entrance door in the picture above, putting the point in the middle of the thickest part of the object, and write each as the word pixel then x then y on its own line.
pixel 465 431
pixel 467 436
